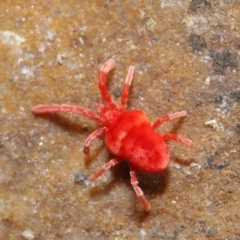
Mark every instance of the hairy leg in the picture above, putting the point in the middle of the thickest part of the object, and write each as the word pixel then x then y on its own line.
pixel 53 108
pixel 177 138
pixel 106 67
pixel 126 87
pixel 92 137
pixel 139 191
pixel 104 168
pixel 168 117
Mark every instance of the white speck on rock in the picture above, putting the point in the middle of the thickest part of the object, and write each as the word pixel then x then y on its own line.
pixel 207 81
pixel 20 60
pixel 28 234
pixel 171 3
pixel 27 72
pixel 193 164
pixel 50 35
pixel 80 39
pixel 11 38
pixel 196 22
pixel 60 58
pixel 143 233
pixel 212 123
pixel 41 48
pixel 150 23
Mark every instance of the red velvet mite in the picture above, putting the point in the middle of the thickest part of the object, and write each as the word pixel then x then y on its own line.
pixel 128 133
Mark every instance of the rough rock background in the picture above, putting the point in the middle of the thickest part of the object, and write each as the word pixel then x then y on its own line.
pixel 186 56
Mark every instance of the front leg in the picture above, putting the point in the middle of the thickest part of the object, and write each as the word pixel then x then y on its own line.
pixel 168 117
pixel 126 87
pixel 92 137
pixel 54 108
pixel 139 191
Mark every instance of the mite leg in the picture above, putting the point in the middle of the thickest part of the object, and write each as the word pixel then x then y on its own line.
pixel 104 168
pixel 139 191
pixel 106 67
pixel 126 87
pixel 177 138
pixel 53 108
pixel 91 138
pixel 168 117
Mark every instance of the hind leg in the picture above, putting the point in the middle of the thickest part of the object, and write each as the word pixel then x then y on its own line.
pixel 139 191
pixel 177 138
pixel 104 168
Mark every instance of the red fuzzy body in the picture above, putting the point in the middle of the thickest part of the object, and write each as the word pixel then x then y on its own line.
pixel 132 137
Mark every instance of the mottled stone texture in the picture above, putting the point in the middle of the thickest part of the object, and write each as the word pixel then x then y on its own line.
pixel 186 56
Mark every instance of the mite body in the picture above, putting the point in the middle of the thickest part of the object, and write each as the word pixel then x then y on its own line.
pixel 132 137
pixel 128 133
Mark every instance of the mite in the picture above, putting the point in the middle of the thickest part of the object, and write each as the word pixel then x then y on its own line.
pixel 129 135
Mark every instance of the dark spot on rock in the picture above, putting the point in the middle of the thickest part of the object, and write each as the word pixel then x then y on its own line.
pixel 85 128
pixel 211 164
pixel 223 102
pixel 117 93
pixel 238 42
pixel 196 42
pixel 237 128
pixel 194 4
pixel 80 178
pixel 218 100
pixel 198 104
pixel 235 95
pixel 222 60
pixel 234 238
pixel 209 231
pixel 168 235
pixel 227 103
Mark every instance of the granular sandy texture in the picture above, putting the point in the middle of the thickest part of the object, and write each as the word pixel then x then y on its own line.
pixel 186 56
